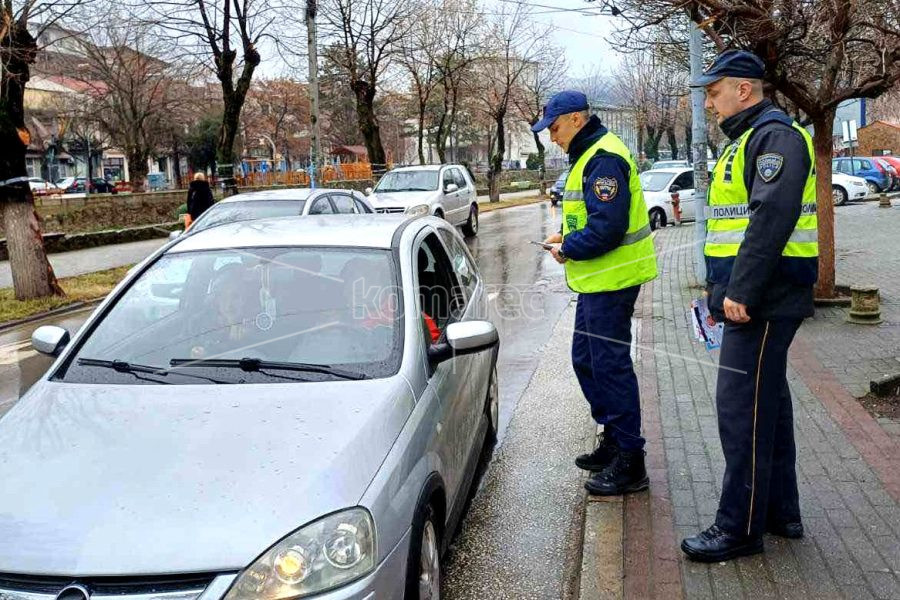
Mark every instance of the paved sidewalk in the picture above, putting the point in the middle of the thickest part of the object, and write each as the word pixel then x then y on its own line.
pixel 850 491
pixel 866 254
pixel 89 260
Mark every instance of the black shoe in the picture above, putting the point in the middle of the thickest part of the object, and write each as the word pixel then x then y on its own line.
pixel 716 545
pixel 624 475
pixel 792 530
pixel 600 458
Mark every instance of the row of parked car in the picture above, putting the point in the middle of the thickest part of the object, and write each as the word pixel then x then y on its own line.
pixel 71 185
pixel 444 191
pixel 668 177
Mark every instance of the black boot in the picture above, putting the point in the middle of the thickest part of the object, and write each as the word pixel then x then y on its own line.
pixel 716 545
pixel 792 530
pixel 624 475
pixel 601 457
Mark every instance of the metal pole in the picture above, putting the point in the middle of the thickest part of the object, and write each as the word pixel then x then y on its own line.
pixel 698 148
pixel 311 47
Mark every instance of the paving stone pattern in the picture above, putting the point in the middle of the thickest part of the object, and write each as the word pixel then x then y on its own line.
pixel 865 254
pixel 852 546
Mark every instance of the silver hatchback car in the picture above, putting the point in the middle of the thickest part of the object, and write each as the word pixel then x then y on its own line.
pixel 268 409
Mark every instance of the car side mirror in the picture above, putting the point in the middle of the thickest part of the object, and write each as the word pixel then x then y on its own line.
pixel 50 339
pixel 466 337
pixel 174 235
pixel 674 189
pixel 450 188
pixel 368 191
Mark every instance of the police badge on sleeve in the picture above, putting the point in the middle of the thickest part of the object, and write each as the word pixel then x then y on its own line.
pixel 606 188
pixel 769 165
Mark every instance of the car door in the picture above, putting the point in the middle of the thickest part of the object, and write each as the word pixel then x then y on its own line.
pixel 466 193
pixel 442 298
pixel 451 200
pixel 685 182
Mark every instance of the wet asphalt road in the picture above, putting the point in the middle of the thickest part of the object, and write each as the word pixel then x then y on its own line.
pixel 528 295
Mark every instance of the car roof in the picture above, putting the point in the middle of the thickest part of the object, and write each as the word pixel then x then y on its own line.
pixel 281 194
pixel 669 170
pixel 359 231
pixel 422 168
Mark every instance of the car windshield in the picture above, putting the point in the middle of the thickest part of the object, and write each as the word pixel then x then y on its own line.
pixel 408 181
pixel 329 311
pixel 662 164
pixel 246 210
pixel 654 181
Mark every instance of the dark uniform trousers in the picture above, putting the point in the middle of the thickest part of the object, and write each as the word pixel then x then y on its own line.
pixel 756 426
pixel 601 356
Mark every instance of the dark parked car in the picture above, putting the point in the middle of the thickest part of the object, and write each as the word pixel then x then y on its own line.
pixel 556 190
pixel 76 185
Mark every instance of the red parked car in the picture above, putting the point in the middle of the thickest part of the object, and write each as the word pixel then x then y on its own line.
pixel 893 162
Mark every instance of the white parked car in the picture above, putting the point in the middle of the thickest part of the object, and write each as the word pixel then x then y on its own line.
pixel 847 187
pixel 41 187
pixel 668 164
pixel 445 191
pixel 658 185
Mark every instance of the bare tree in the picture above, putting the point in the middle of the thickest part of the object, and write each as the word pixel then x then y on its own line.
pixel 21 27
pixel 516 46
pixel 536 88
pixel 226 36
pixel 367 35
pixel 817 55
pixel 279 110
pixel 131 90
pixel 417 54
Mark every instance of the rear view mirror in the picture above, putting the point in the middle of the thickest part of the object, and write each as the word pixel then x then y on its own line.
pixel 466 337
pixel 174 235
pixel 49 339
pixel 450 188
pixel 368 191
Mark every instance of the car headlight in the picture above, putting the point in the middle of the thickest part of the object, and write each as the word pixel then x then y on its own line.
pixel 419 210
pixel 321 556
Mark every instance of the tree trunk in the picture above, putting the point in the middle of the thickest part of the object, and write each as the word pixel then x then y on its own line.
pixel 233 97
pixel 32 274
pixel 137 170
pixel 688 141
pixel 496 164
pixel 368 124
pixel 651 149
pixel 541 169
pixel 421 140
pixel 823 144
pixel 673 142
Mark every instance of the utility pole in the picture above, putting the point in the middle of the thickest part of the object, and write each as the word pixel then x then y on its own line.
pixel 315 149
pixel 698 150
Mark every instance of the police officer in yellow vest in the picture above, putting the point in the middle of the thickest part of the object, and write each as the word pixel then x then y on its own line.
pixel 608 253
pixel 761 255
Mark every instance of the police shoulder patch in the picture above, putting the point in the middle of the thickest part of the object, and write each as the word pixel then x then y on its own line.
pixel 606 188
pixel 769 165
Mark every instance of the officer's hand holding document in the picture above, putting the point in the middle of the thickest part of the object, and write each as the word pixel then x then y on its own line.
pixel 705 327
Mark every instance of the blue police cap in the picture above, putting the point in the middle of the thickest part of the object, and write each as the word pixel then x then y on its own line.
pixel 733 63
pixel 562 103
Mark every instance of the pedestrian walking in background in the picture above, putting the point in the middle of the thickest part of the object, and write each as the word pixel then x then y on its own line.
pixel 607 251
pixel 200 198
pixel 761 262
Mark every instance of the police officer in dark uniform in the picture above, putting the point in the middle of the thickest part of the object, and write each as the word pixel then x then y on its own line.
pixel 761 255
pixel 607 251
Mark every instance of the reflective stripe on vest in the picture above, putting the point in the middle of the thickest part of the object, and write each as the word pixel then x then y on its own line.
pixel 729 209
pixel 633 262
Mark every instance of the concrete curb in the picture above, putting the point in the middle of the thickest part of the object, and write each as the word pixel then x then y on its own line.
pixel 602 575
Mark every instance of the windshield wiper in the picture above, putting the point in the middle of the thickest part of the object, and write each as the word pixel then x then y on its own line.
pixel 257 365
pixel 121 366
